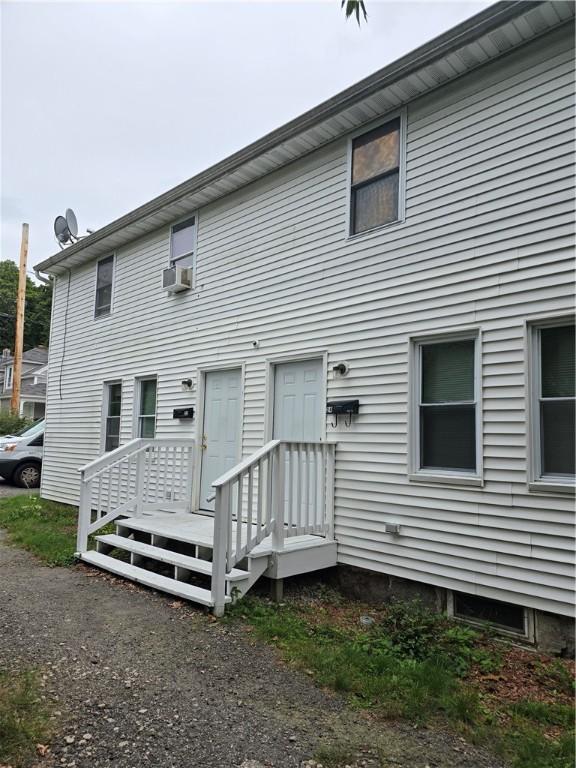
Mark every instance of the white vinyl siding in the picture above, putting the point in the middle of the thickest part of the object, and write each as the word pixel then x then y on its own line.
pixel 487 243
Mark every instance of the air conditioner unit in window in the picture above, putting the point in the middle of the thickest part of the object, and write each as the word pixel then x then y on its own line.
pixel 175 279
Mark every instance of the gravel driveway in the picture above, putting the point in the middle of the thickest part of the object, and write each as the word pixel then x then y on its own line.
pixel 10 490
pixel 138 679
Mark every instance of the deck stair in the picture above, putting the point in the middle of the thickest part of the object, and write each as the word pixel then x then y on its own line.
pixel 208 559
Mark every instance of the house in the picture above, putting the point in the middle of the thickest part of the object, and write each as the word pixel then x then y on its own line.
pixel 33 382
pixel 351 342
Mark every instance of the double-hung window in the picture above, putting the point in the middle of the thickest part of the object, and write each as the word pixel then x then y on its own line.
pixel 552 394
pixel 376 171
pixel 104 285
pixel 445 412
pixel 183 243
pixel 147 407
pixel 113 405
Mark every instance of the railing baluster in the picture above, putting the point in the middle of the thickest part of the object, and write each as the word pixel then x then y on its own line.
pixel 306 509
pixel 269 470
pixel 289 493
pixel 249 509
pixel 239 516
pixel 260 499
pixel 322 472
pixel 299 486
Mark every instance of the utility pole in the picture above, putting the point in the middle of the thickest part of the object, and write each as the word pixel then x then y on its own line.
pixel 19 335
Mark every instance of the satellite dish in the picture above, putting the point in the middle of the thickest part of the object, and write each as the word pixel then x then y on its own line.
pixel 71 222
pixel 61 230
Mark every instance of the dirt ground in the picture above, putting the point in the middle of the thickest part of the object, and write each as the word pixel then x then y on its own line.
pixel 7 489
pixel 138 679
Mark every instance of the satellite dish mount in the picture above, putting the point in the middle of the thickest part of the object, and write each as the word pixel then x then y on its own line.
pixel 66 228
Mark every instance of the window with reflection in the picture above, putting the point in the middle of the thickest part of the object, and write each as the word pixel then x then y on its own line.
pixel 375 178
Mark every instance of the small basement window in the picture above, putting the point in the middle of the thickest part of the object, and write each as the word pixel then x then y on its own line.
pixel 482 610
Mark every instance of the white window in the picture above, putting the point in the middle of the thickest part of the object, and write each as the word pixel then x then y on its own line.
pixel 376 177
pixel 445 433
pixel 183 243
pixel 104 284
pixel 113 406
pixel 147 407
pixel 552 404
pixel 8 376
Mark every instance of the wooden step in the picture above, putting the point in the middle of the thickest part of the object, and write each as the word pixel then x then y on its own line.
pixel 165 556
pixel 149 579
pixel 196 530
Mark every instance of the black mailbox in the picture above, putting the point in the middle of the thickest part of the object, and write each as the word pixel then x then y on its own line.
pixel 345 407
pixel 183 413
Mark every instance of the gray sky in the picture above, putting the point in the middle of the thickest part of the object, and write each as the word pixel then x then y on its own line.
pixel 107 104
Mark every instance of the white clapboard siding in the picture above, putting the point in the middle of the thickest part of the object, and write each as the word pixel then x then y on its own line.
pixel 487 242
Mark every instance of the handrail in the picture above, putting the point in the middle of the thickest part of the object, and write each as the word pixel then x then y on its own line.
pixel 284 489
pixel 132 478
pixel 111 456
pixel 245 464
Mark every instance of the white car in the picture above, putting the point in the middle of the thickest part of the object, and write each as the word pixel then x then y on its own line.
pixel 21 456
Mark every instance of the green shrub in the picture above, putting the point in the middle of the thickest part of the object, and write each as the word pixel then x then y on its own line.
pixel 11 423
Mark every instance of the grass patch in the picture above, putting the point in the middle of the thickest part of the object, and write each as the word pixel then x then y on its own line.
pixel 45 528
pixel 414 664
pixel 23 718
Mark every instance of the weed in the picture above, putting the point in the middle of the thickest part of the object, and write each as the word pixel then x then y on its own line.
pixel 411 664
pixel 23 718
pixel 43 527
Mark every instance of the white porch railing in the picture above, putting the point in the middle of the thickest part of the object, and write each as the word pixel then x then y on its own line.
pixel 284 489
pixel 143 474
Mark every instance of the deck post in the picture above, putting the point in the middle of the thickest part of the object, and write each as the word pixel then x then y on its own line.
pixel 220 548
pixel 139 482
pixel 278 490
pixel 190 455
pixel 84 507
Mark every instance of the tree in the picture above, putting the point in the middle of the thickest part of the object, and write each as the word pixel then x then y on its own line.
pixel 354 8
pixel 37 313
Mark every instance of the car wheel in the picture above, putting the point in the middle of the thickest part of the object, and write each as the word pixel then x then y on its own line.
pixel 27 475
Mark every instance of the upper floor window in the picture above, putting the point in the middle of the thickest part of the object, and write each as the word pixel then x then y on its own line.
pixel 553 411
pixel 375 191
pixel 183 243
pixel 104 282
pixel 113 395
pixel 446 412
pixel 8 376
pixel 147 408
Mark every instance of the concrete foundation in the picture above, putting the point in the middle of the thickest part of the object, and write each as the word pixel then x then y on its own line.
pixel 552 633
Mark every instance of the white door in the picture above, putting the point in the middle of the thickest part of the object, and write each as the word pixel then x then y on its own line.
pixel 298 400
pixel 221 429
pixel 299 416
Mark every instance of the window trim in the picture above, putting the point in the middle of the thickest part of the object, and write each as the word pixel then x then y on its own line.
pixel 105 404
pixel 527 635
pixel 448 476
pixel 111 311
pixel 400 114
pixel 138 400
pixel 535 480
pixel 8 380
pixel 171 261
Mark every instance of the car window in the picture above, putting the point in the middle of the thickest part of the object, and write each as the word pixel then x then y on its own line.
pixel 30 431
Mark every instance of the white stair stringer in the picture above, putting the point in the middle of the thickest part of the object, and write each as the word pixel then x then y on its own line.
pixel 150 579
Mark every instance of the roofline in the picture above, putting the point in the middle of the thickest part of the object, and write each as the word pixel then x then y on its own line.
pixel 440 46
